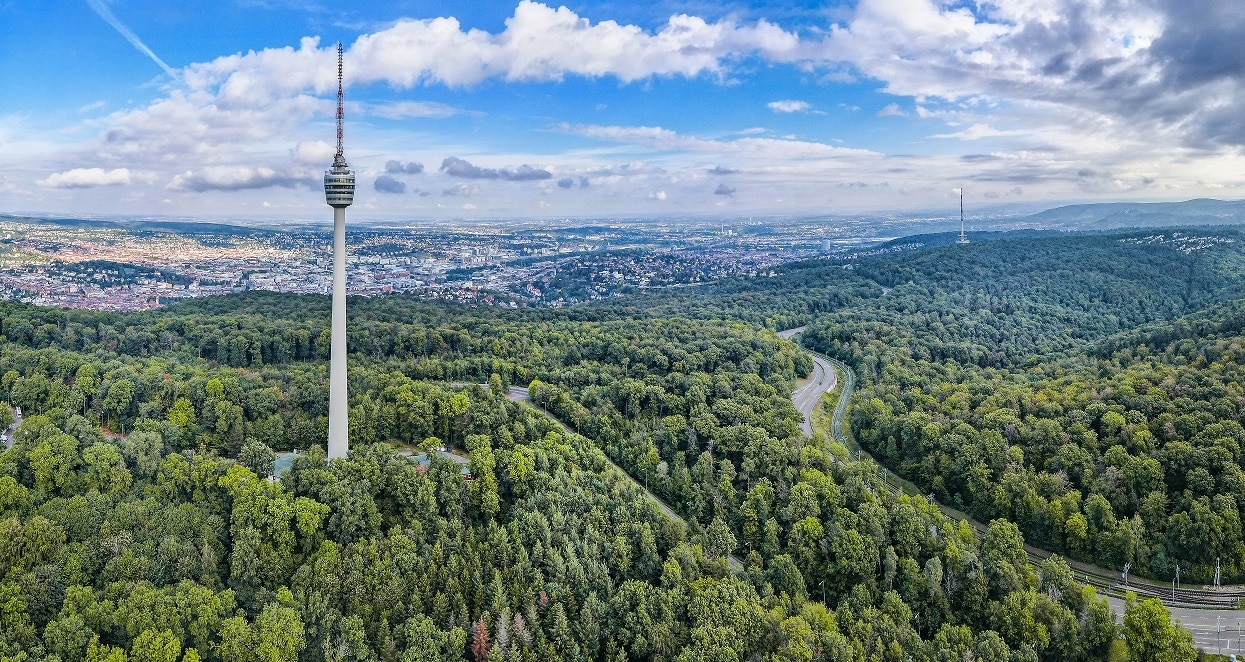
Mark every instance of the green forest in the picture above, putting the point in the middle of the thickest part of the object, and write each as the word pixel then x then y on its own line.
pixel 1086 390
pixel 1076 392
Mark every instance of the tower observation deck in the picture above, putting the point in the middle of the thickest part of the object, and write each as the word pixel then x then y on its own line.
pixel 339 193
pixel 339 184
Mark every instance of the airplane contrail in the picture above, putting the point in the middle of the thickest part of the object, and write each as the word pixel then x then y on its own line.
pixel 106 14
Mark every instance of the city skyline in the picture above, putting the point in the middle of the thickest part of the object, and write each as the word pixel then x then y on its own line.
pixel 528 110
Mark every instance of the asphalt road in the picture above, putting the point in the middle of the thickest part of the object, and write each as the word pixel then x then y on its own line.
pixel 790 333
pixel 808 393
pixel 10 435
pixel 1202 623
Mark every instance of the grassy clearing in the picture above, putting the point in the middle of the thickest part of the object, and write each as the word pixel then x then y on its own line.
pixel 823 413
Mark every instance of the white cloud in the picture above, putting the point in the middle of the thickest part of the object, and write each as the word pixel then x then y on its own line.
pixel 658 138
pixel 1150 69
pixel 238 178
pixel 239 109
pixel 403 110
pixel 539 43
pixel 200 127
pixel 461 191
pixel 86 178
pixel 788 106
pixel 313 152
pixel 977 132
pixel 659 196
pixel 1128 91
pixel 891 110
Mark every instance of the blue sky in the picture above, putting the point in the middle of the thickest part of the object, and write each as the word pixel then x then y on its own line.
pixel 527 109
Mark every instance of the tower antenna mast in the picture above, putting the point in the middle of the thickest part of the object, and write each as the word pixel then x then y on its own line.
pixel 341 112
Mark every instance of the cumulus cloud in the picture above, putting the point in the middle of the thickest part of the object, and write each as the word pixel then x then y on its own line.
pixel 456 167
pixel 788 106
pixel 313 152
pixel 723 189
pixel 395 167
pixel 539 43
pixel 239 178
pixel 201 126
pixel 387 184
pixel 461 190
pixel 1128 90
pixel 891 110
pixel 570 182
pixel 657 195
pixel 525 173
pixel 722 170
pixel 1140 69
pixel 86 178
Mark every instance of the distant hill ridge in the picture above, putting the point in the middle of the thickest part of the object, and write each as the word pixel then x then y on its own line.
pixel 1102 216
pixel 1090 216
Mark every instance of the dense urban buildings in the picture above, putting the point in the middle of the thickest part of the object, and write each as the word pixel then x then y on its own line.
pixel 141 265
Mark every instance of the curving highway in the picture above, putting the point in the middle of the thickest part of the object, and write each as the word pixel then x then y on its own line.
pixel 808 393
pixel 1210 626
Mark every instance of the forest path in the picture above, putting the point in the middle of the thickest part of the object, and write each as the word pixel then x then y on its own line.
pixel 521 394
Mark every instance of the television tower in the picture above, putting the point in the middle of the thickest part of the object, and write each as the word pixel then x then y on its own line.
pixel 963 237
pixel 339 192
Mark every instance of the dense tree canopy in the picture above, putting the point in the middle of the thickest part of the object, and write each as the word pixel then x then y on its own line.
pixel 1044 381
pixel 134 524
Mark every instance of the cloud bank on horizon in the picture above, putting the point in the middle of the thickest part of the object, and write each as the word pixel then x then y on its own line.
pixel 888 104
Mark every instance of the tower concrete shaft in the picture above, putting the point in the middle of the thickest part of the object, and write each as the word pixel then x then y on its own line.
pixel 339 405
pixel 339 193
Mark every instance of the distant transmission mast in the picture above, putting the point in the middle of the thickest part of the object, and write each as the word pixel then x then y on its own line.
pixel 963 237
